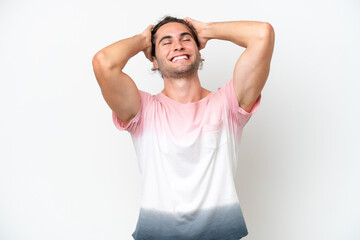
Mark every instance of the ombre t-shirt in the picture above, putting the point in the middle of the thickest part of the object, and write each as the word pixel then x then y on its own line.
pixel 187 156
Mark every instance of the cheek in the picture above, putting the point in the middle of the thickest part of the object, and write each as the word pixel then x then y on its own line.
pixel 162 54
pixel 159 53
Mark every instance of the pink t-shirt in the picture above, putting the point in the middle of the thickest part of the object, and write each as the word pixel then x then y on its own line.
pixel 187 156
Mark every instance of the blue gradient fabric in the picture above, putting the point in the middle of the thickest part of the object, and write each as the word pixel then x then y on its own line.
pixel 225 223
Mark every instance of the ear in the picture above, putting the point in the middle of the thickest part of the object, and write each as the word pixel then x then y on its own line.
pixel 155 64
pixel 200 56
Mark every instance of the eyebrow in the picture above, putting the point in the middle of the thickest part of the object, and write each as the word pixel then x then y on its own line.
pixel 169 37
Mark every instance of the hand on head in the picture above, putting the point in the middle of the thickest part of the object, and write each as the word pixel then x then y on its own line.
pixel 147 34
pixel 200 28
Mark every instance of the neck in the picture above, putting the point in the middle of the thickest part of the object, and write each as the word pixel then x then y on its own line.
pixel 184 90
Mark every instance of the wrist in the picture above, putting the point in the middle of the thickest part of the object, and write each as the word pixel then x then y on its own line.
pixel 208 31
pixel 143 41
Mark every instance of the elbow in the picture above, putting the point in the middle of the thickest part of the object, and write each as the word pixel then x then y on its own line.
pixel 101 66
pixel 103 60
pixel 267 32
pixel 99 60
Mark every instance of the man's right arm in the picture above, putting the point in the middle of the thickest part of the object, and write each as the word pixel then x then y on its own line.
pixel 118 89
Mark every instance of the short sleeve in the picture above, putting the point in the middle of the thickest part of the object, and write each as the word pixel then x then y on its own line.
pixel 240 114
pixel 135 125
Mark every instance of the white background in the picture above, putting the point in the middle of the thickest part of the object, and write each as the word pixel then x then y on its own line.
pixel 67 173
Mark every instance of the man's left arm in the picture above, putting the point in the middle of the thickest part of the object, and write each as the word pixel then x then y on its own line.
pixel 253 66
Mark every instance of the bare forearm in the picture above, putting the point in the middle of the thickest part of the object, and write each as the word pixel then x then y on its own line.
pixel 241 33
pixel 118 54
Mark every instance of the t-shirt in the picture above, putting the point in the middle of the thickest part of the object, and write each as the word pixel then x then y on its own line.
pixel 187 156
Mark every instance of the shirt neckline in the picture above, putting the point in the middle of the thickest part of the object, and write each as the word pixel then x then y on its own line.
pixel 172 101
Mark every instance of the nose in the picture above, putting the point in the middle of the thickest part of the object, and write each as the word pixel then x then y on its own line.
pixel 178 46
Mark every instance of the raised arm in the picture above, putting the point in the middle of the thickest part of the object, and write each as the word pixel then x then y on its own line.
pixel 118 89
pixel 253 66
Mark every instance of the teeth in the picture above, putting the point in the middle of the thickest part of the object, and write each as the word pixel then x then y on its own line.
pixel 179 57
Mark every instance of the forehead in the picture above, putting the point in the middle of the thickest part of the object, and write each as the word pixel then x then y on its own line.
pixel 171 29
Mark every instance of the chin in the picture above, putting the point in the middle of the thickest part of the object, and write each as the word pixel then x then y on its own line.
pixel 182 73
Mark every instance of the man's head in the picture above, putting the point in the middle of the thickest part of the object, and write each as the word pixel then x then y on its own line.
pixel 175 48
pixel 169 19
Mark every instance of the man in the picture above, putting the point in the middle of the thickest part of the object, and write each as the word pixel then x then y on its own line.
pixel 186 137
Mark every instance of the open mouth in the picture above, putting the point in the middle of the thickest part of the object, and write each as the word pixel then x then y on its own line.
pixel 180 57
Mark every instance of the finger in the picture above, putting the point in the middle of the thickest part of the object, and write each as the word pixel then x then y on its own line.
pixel 150 27
pixel 188 20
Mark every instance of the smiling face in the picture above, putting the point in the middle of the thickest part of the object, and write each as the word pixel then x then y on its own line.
pixel 176 52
